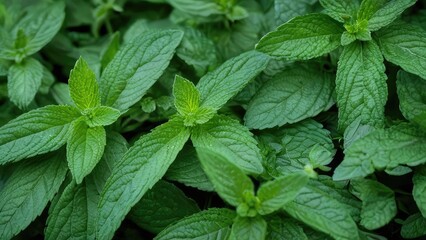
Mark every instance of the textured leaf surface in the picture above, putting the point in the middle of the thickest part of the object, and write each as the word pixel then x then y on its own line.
pixel 228 180
pixel 139 169
pixel 403 44
pixel 161 206
pixel 289 97
pixel 361 85
pixel 101 116
pixel 84 89
pixel 84 149
pixel 249 228
pixel 209 224
pixel 24 80
pixel 383 149
pixel 218 86
pixel 288 9
pixel 284 228
pixel 27 191
pixel 414 226
pixel 187 97
pixel 388 13
pixel 411 94
pixel 340 10
pixel 38 131
pixel 136 67
pixel 319 210
pixel 232 140
pixel 419 189
pixel 378 203
pixel 303 37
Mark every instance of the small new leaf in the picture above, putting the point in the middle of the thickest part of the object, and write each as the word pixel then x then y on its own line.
pixel 187 97
pixel 248 228
pixel 101 116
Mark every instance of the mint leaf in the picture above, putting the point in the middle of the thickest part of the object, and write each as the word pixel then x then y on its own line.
pixel 383 149
pixel 202 8
pixel 413 226
pixel 387 13
pixel 139 169
pixel 209 224
pixel 249 228
pixel 340 10
pixel 101 116
pixel 411 94
pixel 24 80
pixel 111 49
pixel 419 189
pixel 84 89
pixel 84 149
pixel 228 180
pixel 136 67
pixel 318 209
pixel 187 97
pixel 288 9
pixel 284 228
pixel 293 95
pixel 275 194
pixel 355 131
pixel 27 191
pixel 368 8
pixel 45 130
pixel 232 140
pixel 378 203
pixel 218 86
pixel 150 214
pixel 403 45
pixel 303 37
pixel 361 85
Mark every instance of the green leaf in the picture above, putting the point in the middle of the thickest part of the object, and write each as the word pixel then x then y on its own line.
pixel 230 138
pixel 383 149
pixel 361 85
pixel 402 44
pixel 291 96
pixel 368 8
pixel 387 13
pixel 209 224
pixel 419 189
pixel 73 214
pixel 284 228
pixel 218 86
pixel 355 131
pixel 318 209
pixel 24 80
pixel 139 169
pixel 101 116
pixel 150 212
pixel 340 10
pixel 84 89
pixel 85 147
pixel 45 130
pixel 288 9
pixel 202 8
pixel 111 50
pixel 27 191
pixel 228 180
pixel 378 203
pixel 275 194
pixel 136 67
pixel 413 226
pixel 303 37
pixel 249 228
pixel 411 94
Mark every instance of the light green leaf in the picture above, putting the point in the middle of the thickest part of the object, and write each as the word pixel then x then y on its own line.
pixel 275 194
pixel 303 37
pixel 288 9
pixel 187 99
pixel 27 191
pixel 284 228
pixel 398 171
pixel 230 138
pixel 139 169
pixel 318 209
pixel 24 80
pixel 218 86
pixel 419 189
pixel 355 131
pixel 228 180
pixel 341 10
pixel 85 147
pixel 361 85
pixel 161 206
pixel 60 92
pixel 202 8
pixel 378 203
pixel 387 13
pixel 83 87
pixel 383 149
pixel 209 224
pixel 73 214
pixel 136 67
pixel 249 228
pixel 411 94
pixel 414 226
pixel 46 129
pixel 403 44
pixel 290 96
pixel 368 8
pixel 101 116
